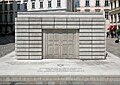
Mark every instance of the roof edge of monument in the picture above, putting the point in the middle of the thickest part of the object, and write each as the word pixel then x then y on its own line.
pixel 61 13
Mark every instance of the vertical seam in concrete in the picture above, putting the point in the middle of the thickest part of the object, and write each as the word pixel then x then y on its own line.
pixel 66 22
pixel 29 37
pixel 42 39
pixel 92 38
pixel 54 22
pixel 79 39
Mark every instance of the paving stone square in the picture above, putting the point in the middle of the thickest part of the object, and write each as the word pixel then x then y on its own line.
pixel 32 71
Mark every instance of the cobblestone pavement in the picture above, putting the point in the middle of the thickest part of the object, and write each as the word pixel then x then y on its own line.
pixel 6 45
pixel 113 47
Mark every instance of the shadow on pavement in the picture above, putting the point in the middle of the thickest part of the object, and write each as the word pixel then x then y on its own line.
pixel 7 40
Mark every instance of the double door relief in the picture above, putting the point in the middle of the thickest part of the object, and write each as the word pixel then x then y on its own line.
pixel 60 44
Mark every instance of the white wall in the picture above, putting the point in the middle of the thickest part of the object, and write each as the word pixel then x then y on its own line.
pixel 92 8
pixel 92 5
pixel 45 5
pixel 66 5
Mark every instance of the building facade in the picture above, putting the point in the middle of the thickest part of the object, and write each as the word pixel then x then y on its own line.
pixel 115 13
pixel 60 35
pixel 45 5
pixel 10 8
pixel 7 17
pixel 94 6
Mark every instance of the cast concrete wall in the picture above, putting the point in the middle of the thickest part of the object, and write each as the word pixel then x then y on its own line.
pixel 30 25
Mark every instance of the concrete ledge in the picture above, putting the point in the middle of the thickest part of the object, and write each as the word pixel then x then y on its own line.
pixel 35 78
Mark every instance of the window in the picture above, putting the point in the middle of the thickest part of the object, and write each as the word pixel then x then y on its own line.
pixel 49 4
pixel 6 7
pixel 58 3
pixel 119 16
pixel 33 5
pixel 5 18
pixel 115 4
pixel 1 30
pixel 41 4
pixel 18 6
pixel 115 18
pixel 111 5
pixel 87 3
pixel 11 18
pixel 106 15
pixel 16 14
pixel 25 5
pixel 118 27
pixel 77 4
pixel 106 3
pixel 97 3
pixel 0 17
pixel 11 6
pixel 0 6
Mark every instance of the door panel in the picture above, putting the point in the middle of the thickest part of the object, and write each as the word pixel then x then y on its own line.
pixel 60 44
pixel 50 50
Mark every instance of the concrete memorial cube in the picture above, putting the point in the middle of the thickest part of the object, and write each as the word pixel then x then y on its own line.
pixel 60 35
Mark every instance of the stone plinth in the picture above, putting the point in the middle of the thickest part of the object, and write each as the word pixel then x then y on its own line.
pixel 59 71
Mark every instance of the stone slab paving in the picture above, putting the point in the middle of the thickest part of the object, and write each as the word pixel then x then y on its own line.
pixel 94 72
pixel 113 47
pixel 12 70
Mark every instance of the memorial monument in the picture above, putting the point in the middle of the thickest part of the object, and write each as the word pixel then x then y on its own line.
pixel 60 35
